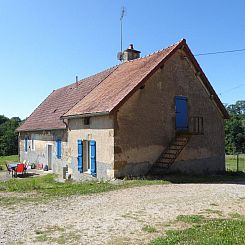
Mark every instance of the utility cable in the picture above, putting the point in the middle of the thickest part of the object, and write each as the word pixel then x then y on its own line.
pixel 221 52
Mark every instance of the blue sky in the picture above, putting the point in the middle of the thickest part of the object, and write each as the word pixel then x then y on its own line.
pixel 44 44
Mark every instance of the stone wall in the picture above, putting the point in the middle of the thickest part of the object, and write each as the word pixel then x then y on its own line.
pixel 145 124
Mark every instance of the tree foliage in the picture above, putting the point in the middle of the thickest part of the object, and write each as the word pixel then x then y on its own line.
pixel 8 136
pixel 235 128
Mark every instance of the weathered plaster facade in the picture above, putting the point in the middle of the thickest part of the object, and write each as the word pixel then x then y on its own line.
pixel 100 129
pixel 145 124
pixel 39 155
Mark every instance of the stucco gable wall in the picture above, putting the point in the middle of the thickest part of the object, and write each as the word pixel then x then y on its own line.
pixel 145 124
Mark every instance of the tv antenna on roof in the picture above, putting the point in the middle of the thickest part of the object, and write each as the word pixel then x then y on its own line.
pixel 123 12
pixel 120 54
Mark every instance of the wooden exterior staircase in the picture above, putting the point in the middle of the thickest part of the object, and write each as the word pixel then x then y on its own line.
pixel 170 154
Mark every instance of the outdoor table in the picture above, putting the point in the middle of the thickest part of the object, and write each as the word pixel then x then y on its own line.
pixel 12 167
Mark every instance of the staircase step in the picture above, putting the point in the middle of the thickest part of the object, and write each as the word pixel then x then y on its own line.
pixel 175 147
pixel 163 157
pixel 181 141
pixel 169 153
pixel 182 138
pixel 173 150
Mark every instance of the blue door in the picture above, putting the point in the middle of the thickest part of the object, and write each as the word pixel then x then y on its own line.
pixel 80 156
pixel 93 157
pixel 181 113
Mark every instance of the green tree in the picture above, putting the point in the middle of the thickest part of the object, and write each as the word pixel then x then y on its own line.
pixel 8 136
pixel 235 128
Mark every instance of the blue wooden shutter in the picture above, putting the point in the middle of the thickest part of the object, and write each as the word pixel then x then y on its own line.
pixel 80 155
pixel 26 144
pixel 93 157
pixel 58 153
pixel 181 113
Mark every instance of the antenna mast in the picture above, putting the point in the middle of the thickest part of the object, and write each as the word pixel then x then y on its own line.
pixel 123 11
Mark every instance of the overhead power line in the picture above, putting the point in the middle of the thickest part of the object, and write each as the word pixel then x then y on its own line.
pixel 221 52
pixel 233 88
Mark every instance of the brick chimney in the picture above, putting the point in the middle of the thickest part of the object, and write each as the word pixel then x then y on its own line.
pixel 130 53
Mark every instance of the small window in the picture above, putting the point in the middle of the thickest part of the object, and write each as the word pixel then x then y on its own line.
pixel 58 148
pixel 86 120
pixel 26 144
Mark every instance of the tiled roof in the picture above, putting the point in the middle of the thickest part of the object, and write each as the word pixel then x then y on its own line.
pixel 48 113
pixel 105 91
pixel 112 91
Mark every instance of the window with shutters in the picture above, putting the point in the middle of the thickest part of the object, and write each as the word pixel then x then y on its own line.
pixel 87 156
pixel 58 148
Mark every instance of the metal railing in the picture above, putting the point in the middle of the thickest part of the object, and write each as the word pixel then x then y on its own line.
pixel 235 162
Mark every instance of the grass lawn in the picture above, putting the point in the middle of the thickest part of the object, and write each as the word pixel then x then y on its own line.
pixel 206 231
pixel 7 159
pixel 45 187
pixel 231 162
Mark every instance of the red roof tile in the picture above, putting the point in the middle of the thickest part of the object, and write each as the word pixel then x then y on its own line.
pixel 105 91
pixel 106 96
pixel 48 113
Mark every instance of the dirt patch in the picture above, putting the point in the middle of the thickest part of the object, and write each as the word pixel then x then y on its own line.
pixel 128 216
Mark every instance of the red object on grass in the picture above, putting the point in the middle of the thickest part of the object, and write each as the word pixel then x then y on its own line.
pixel 20 168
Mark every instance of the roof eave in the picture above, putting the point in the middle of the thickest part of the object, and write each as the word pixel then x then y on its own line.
pixel 93 114
pixel 206 82
pixel 38 129
pixel 181 45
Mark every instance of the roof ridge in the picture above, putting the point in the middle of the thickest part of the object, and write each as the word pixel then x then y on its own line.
pixel 155 52
pixel 79 82
pixel 169 51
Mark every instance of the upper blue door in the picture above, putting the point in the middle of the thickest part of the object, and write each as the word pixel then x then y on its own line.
pixel 181 113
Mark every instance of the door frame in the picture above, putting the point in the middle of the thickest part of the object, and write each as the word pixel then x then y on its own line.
pixel 50 156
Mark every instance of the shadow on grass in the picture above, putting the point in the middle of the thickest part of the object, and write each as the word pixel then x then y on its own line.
pixel 228 177
pixel 27 175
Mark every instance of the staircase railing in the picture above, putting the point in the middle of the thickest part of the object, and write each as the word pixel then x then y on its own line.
pixel 173 150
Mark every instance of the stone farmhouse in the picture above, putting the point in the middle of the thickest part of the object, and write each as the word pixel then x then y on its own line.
pixel 153 114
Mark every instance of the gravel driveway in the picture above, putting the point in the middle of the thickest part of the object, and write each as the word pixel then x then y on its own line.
pixel 117 217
